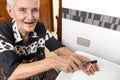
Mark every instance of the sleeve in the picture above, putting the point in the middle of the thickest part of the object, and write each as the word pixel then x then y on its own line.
pixel 8 59
pixel 51 42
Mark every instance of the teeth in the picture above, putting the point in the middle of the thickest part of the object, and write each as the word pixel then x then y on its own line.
pixel 28 22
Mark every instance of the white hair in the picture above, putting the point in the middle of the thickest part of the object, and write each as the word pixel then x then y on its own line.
pixel 10 3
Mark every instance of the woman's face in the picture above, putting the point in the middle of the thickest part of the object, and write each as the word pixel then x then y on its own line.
pixel 26 14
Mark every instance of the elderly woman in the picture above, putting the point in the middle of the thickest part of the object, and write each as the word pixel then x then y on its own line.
pixel 22 44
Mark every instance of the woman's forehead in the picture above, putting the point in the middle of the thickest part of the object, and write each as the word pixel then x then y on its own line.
pixel 26 3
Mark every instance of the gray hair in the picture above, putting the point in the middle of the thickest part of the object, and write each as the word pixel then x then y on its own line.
pixel 10 3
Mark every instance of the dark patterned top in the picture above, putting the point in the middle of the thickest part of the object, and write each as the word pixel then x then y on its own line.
pixel 12 48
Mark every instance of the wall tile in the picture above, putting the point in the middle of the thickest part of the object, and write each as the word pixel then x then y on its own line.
pixel 105 21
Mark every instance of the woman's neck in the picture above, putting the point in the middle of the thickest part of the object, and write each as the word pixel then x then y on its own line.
pixel 24 35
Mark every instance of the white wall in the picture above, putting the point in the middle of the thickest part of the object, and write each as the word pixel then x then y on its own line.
pixel 104 42
pixel 106 7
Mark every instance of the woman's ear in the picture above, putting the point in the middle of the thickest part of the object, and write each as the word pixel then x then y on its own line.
pixel 10 11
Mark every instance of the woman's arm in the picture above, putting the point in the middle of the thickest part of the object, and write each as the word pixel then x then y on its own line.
pixel 27 70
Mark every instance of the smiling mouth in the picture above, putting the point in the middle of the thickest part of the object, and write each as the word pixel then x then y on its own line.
pixel 28 22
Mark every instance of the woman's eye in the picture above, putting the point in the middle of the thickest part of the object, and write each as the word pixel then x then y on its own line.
pixel 35 10
pixel 22 10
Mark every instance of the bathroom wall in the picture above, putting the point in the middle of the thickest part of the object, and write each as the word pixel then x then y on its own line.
pixel 95 21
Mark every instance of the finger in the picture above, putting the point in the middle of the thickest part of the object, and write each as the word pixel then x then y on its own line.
pixel 63 68
pixel 97 68
pixel 67 70
pixel 92 70
pixel 70 70
pixel 75 66
pixel 78 62
pixel 85 71
pixel 86 68
pixel 69 67
pixel 83 58
pixel 93 67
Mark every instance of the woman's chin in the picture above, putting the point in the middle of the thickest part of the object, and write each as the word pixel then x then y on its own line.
pixel 29 29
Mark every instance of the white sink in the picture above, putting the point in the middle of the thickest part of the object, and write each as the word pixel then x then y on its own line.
pixel 108 71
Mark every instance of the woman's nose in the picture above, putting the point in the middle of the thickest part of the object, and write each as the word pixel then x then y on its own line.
pixel 30 16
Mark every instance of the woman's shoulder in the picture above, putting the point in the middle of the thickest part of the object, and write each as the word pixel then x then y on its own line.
pixel 6 29
pixel 5 25
pixel 40 27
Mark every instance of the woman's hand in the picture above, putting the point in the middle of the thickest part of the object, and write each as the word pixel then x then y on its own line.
pixel 89 68
pixel 74 62
pixel 71 62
